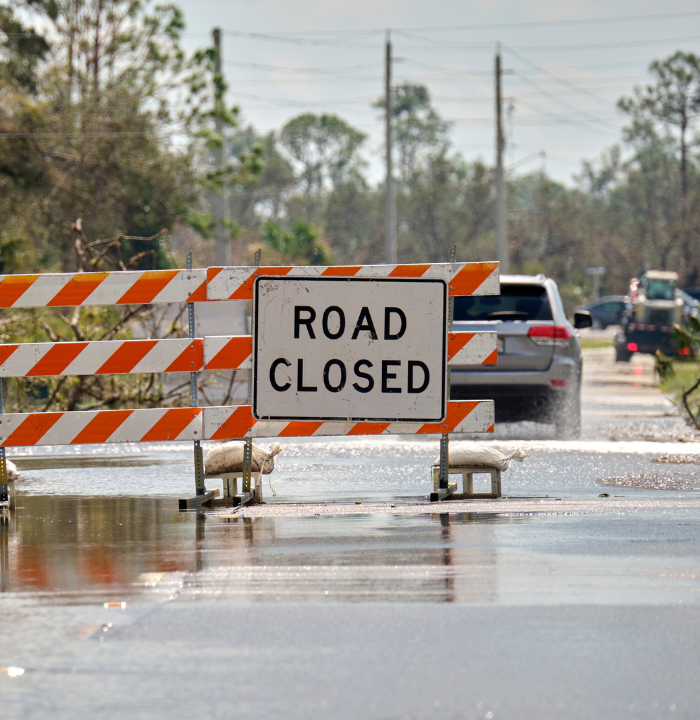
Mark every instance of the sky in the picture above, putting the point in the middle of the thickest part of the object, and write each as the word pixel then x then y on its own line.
pixel 566 65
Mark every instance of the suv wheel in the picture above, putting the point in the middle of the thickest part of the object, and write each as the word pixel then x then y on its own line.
pixel 568 415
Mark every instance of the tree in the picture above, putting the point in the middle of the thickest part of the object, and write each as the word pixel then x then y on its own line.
pixel 117 129
pixel 325 149
pixel 298 245
pixel 674 104
pixel 418 127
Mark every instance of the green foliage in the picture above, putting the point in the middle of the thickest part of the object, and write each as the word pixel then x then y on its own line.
pixel 325 149
pixel 687 340
pixel 111 124
pixel 299 245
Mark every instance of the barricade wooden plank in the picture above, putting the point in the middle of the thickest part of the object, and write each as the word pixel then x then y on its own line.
pixel 105 288
pixel 472 348
pixel 100 426
pixel 101 357
pixel 228 352
pixel 226 423
pixel 236 283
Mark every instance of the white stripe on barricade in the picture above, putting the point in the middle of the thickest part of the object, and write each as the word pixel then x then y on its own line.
pixel 100 426
pixel 103 288
pixel 236 283
pixel 463 416
pixel 101 357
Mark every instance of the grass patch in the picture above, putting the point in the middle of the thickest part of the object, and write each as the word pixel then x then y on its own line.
pixel 595 343
pixel 684 376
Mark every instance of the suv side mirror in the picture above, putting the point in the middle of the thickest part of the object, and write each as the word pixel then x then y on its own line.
pixel 582 319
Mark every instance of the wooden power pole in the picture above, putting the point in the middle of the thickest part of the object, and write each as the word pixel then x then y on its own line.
pixel 223 245
pixel 501 234
pixel 389 198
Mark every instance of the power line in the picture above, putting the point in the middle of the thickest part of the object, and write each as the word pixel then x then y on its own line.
pixel 488 26
pixel 546 23
pixel 562 81
pixel 449 45
pixel 558 99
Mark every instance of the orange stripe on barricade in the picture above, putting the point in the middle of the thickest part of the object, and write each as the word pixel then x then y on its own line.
pixel 492 359
pixel 368 428
pixel 32 429
pixel 101 427
pixel 12 287
pixel 456 341
pixel 409 271
pixel 200 294
pixel 300 428
pixel 236 425
pixel 77 289
pixel 126 357
pixel 171 424
pixel 212 272
pixel 190 360
pixel 457 410
pixel 245 291
pixel 6 351
pixel 471 277
pixel 57 359
pixel 342 271
pixel 145 289
pixel 233 354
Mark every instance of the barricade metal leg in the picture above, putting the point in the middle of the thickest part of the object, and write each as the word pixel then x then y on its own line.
pixel 4 490
pixel 247 495
pixel 202 496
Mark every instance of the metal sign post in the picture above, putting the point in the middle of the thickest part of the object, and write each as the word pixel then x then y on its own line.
pixel 248 448
pixel 444 488
pixel 4 491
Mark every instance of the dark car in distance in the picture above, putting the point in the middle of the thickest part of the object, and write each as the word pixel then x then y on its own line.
pixel 608 310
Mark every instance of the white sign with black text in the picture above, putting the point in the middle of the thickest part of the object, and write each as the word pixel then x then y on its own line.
pixel 349 349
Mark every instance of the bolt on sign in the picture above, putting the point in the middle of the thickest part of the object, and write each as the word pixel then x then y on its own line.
pixel 357 349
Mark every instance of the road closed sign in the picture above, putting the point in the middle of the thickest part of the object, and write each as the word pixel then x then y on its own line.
pixel 349 349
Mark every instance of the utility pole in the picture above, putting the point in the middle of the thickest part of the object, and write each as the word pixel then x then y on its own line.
pixel 223 249
pixel 501 237
pixel 389 198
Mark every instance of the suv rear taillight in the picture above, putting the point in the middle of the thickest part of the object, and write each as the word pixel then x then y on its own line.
pixel 549 335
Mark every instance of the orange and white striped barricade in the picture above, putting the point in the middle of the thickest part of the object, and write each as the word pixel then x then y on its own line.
pixel 247 352
pixel 295 307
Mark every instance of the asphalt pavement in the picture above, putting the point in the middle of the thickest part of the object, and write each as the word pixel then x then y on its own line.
pixel 349 595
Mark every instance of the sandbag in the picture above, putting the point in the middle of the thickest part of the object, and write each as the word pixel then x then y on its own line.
pixel 228 457
pixel 464 454
pixel 12 471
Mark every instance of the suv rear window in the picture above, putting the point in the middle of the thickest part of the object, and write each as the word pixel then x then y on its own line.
pixel 516 302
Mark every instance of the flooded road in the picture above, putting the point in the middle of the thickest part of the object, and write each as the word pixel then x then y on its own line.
pixel 348 595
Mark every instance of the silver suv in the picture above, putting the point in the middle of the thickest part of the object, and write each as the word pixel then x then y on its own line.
pixel 538 375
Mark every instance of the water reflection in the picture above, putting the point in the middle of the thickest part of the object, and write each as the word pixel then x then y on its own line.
pixel 123 545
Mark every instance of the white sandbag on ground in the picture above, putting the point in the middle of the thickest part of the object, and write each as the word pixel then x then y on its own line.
pixel 12 471
pixel 466 454
pixel 228 458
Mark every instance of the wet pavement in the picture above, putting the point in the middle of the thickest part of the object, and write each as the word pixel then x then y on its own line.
pixel 552 602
